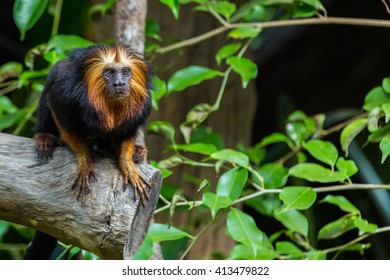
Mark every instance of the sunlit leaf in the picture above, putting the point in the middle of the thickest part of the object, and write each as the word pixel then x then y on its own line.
pixel 336 228
pixel 322 150
pixel 190 76
pixel 164 128
pixel 244 67
pixel 242 228
pixel 232 182
pixel 385 148
pixel 346 167
pixel 227 51
pixel 274 175
pixel 343 203
pixel 300 198
pixel 350 132
pixel 293 220
pixel 200 148
pixel 244 32
pixel 173 5
pixel 231 156
pixel 315 173
pixel 215 202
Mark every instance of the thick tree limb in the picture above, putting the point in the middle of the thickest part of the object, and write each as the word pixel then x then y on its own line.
pixel 110 224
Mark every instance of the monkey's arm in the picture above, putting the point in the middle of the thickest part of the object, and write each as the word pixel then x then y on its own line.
pixel 126 151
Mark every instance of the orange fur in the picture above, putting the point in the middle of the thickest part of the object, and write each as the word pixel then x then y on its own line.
pixel 116 112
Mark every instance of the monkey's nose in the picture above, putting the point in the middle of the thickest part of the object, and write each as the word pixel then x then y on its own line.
pixel 119 84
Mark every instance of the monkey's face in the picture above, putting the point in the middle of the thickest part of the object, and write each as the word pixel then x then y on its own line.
pixel 117 78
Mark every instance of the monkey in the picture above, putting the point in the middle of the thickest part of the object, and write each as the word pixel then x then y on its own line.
pixel 98 96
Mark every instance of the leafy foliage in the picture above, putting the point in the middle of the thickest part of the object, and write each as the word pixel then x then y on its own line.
pixel 282 189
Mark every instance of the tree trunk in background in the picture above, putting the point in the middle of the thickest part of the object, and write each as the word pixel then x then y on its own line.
pixel 233 120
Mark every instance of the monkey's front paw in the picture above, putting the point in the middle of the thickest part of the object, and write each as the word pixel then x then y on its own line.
pixel 138 183
pixel 83 183
pixel 44 145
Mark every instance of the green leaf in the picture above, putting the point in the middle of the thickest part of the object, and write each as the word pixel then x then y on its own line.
pixel 265 205
pixel 386 85
pixel 322 150
pixel 300 127
pixel 152 30
pixel 6 106
pixel 242 252
pixel 224 8
pixel 232 182
pixel 145 252
pixel 293 220
pixel 346 167
pixel 316 255
pixel 26 13
pixel 206 135
pixel 375 98
pixel 242 228
pixel 164 128
pixel 289 249
pixel 273 174
pixel 67 42
pixel 243 67
pixel 350 132
pixel 274 138
pixel 364 226
pixel 385 148
pixel 336 228
pixel 190 76
pixel 173 5
pixel 10 70
pixel 256 153
pixel 379 134
pixel 343 203
pixel 300 198
pixel 315 173
pixel 232 156
pixel 227 51
pixel 199 113
pixel 163 232
pixel 200 148
pixel 244 32
pixel 158 91
pixel 215 202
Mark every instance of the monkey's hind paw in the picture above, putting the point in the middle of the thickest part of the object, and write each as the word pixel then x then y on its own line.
pixel 44 145
pixel 140 154
pixel 139 185
pixel 83 182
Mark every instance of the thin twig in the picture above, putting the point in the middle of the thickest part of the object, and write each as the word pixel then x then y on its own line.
pixel 360 238
pixel 280 23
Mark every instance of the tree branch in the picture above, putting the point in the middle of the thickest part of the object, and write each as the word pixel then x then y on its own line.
pixel 110 224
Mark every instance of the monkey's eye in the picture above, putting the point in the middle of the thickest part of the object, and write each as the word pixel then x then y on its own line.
pixel 126 72
pixel 108 72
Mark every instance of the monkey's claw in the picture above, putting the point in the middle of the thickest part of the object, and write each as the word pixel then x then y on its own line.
pixel 44 145
pixel 83 183
pixel 138 183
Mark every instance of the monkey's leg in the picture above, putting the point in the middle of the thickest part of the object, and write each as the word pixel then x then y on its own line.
pixel 84 163
pixel 130 174
pixel 47 134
